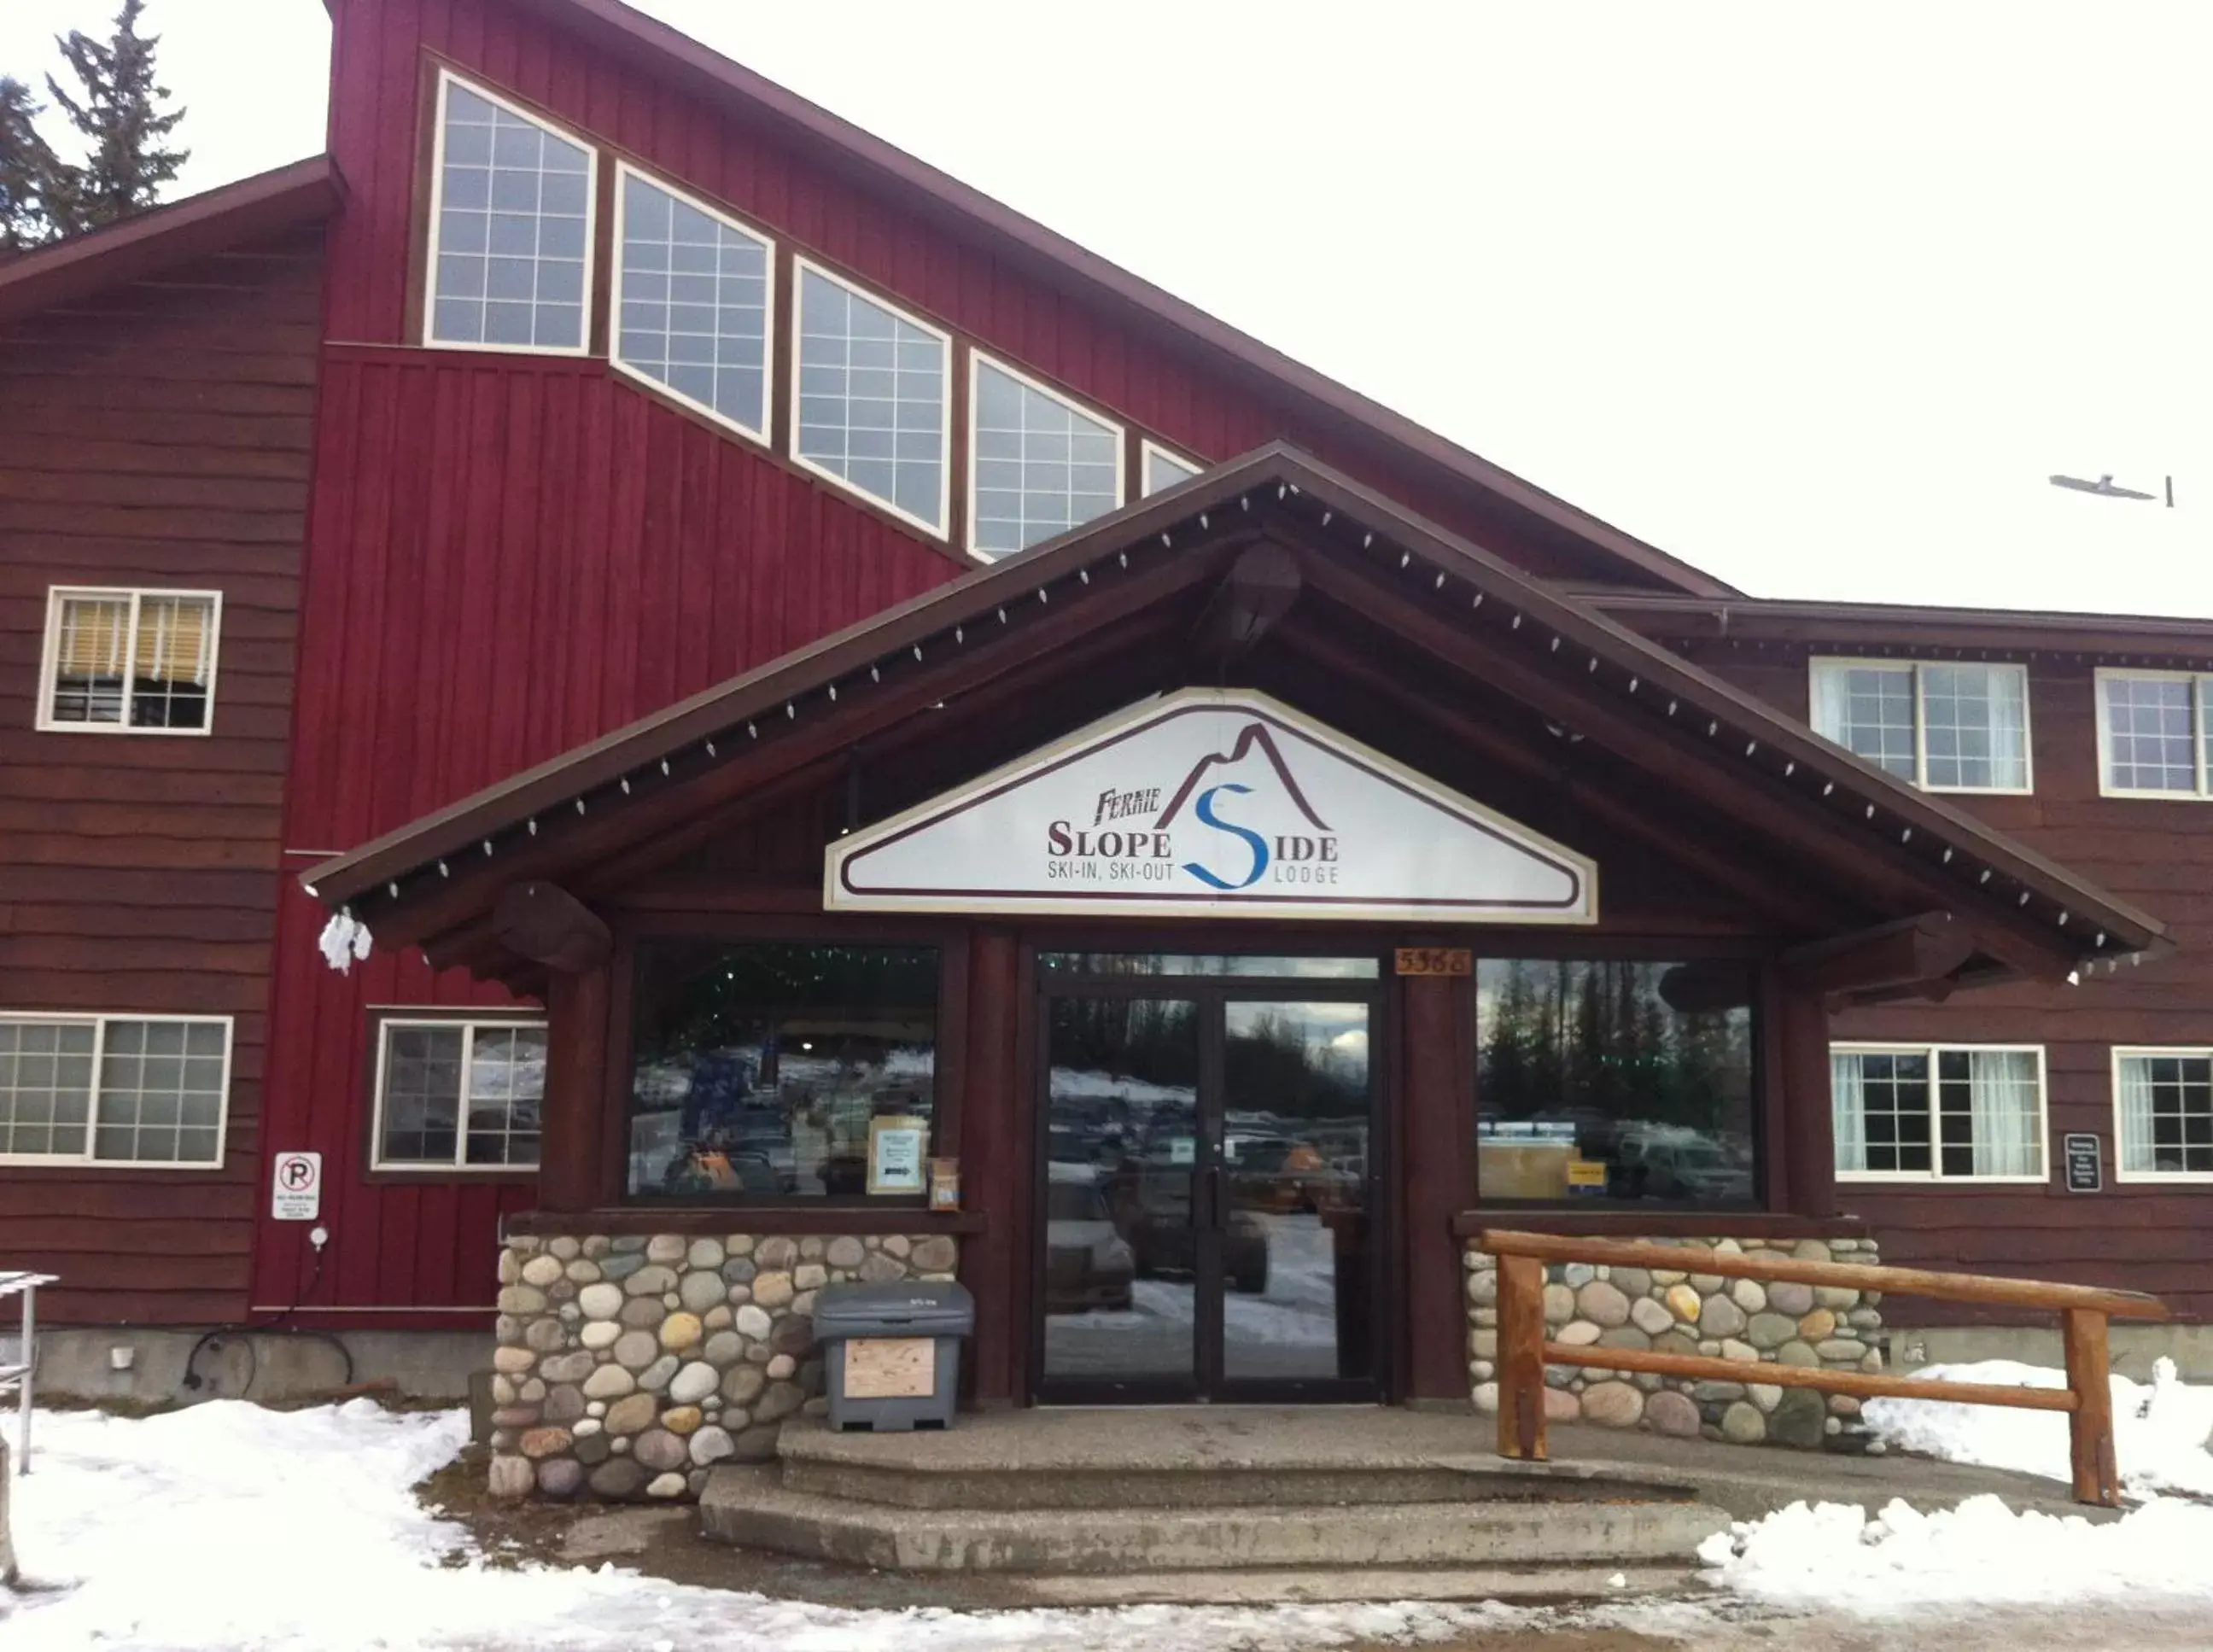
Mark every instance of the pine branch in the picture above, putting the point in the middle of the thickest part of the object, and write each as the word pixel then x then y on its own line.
pixel 118 108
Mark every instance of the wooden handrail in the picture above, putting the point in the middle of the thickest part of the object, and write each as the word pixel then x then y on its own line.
pixel 1523 1349
pixel 1857 1276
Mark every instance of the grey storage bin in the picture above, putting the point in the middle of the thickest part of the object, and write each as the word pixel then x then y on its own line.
pixel 893 1382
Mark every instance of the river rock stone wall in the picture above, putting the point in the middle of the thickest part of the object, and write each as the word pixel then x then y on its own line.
pixel 629 1365
pixel 1745 1320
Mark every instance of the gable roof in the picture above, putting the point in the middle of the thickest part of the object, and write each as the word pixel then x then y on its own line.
pixel 304 192
pixel 756 100
pixel 1690 717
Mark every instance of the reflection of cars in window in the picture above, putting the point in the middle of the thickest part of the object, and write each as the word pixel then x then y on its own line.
pixel 1687 1166
pixel 1274 1174
pixel 1089 1266
pixel 1151 1206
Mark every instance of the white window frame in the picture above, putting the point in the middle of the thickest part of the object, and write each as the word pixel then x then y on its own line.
pixel 448 79
pixel 625 169
pixel 50 658
pixel 470 1025
pixel 1146 449
pixel 98 1021
pixel 2201 692
pixel 1920 782
pixel 978 361
pixel 2188 1052
pixel 800 266
pixel 1934 1176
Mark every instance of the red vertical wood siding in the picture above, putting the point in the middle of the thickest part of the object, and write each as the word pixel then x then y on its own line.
pixel 2155 1237
pixel 155 435
pixel 509 556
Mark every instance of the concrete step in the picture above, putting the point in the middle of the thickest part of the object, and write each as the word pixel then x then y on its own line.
pixel 1230 1459
pixel 752 1506
pixel 1243 1486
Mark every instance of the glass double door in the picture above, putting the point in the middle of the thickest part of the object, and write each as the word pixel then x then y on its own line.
pixel 1207 1201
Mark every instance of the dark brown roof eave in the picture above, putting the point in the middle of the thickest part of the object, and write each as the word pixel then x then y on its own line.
pixel 304 192
pixel 918 184
pixel 809 672
pixel 1903 623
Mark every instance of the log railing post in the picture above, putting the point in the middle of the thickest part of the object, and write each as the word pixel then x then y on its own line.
pixel 1521 1357
pixel 2090 1426
pixel 2085 1310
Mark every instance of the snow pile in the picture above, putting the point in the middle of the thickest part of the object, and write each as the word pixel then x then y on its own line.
pixel 1980 1552
pixel 229 1527
pixel 1983 1551
pixel 2160 1428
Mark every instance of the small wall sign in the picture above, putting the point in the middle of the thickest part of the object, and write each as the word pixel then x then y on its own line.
pixel 1435 961
pixel 2084 1157
pixel 897 1145
pixel 296 1192
pixel 945 1183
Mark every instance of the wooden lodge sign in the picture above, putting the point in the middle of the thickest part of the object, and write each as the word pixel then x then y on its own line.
pixel 1211 803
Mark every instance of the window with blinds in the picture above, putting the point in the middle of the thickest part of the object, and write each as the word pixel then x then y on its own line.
pixel 130 661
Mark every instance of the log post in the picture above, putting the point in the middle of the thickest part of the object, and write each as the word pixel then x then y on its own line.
pixel 2090 1428
pixel 571 1118
pixel 1521 1358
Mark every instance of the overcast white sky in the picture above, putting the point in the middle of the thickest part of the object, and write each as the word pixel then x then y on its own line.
pixel 1814 296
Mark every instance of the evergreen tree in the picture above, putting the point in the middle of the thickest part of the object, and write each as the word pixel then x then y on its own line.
pixel 118 108
pixel 31 178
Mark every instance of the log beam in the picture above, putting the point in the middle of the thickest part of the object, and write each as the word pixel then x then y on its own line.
pixel 1258 591
pixel 1910 953
pixel 547 924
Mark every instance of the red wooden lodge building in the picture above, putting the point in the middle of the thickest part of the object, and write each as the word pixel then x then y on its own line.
pixel 727 635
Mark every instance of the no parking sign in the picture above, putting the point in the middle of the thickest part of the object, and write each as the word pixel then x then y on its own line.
pixel 296 1193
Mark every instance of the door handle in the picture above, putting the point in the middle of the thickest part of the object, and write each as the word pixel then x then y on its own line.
pixel 1216 1215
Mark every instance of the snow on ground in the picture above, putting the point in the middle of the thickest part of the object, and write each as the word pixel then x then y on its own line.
pixel 229 1527
pixel 1984 1552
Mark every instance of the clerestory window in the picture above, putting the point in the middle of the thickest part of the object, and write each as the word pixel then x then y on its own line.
pixel 511 262
pixel 694 304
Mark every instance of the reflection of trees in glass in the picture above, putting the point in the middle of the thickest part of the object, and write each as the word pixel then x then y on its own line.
pixel 702 996
pixel 1271 1062
pixel 1152 1039
pixel 1561 1034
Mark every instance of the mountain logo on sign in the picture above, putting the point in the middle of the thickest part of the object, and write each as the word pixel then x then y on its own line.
pixel 1252 736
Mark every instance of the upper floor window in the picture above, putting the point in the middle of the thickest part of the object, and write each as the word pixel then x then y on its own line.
pixel 873 396
pixel 119 660
pixel 510 264
pixel 113 1089
pixel 1933 1112
pixel 1040 464
pixel 2151 733
pixel 693 304
pixel 1163 468
pixel 458 1094
pixel 1945 727
pixel 2164 1122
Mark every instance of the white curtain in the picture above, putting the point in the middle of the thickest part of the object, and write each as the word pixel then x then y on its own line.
pixel 2136 1150
pixel 1832 706
pixel 2002 1089
pixel 1848 1107
pixel 2008 704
